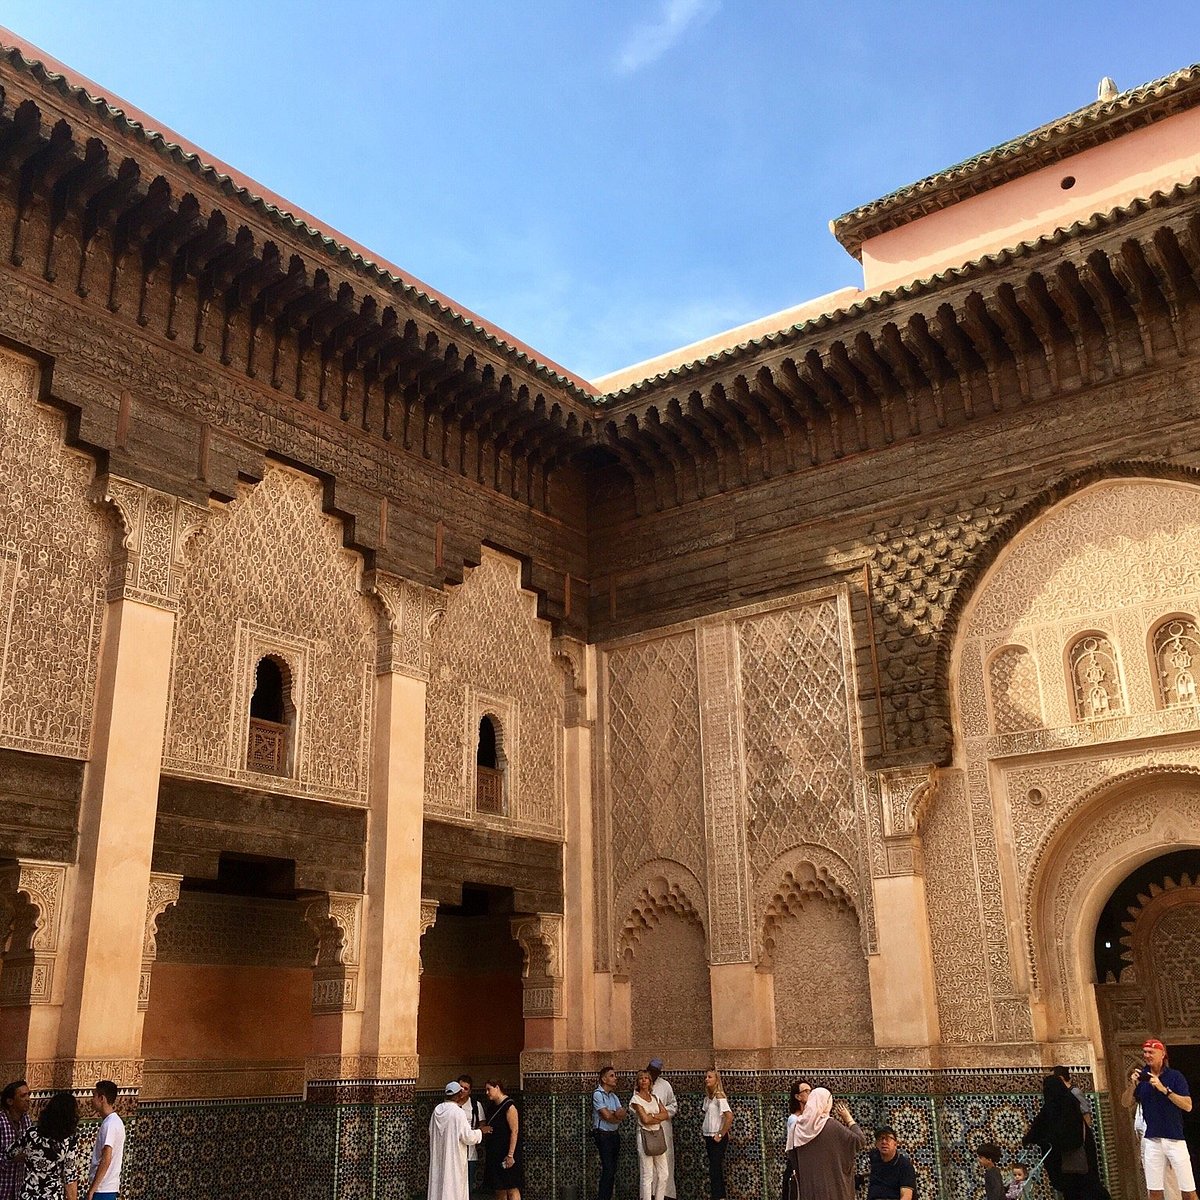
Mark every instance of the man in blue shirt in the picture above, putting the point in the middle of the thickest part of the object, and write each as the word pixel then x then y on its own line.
pixel 607 1115
pixel 1164 1096
pixel 893 1176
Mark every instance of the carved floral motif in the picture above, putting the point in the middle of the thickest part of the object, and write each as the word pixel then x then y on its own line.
pixel 54 554
pixel 491 642
pixel 270 575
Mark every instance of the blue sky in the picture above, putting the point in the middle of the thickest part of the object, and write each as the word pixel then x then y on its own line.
pixel 608 180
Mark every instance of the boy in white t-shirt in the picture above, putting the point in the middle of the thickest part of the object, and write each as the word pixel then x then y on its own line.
pixel 105 1174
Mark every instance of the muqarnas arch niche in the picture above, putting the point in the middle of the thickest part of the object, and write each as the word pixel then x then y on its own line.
pixel 664 951
pixel 813 920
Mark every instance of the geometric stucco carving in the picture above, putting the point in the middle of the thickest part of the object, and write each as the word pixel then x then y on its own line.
pixel 490 655
pixel 270 577
pixel 730 743
pixel 55 545
pixel 651 779
pixel 31 917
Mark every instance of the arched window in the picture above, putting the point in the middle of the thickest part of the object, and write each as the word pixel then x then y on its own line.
pixel 1095 678
pixel 489 767
pixel 268 745
pixel 1013 684
pixel 1176 647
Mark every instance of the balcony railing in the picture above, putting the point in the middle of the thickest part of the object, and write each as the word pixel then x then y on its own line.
pixel 489 790
pixel 266 750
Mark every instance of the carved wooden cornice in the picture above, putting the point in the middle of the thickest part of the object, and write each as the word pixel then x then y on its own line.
pixel 130 222
pixel 1107 299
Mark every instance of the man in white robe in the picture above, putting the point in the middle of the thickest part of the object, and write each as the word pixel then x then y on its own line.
pixel 450 1134
pixel 666 1094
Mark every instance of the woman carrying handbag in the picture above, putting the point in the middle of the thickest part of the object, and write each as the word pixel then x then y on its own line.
pixel 652 1140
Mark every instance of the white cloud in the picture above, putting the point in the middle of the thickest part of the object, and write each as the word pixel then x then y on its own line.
pixel 648 42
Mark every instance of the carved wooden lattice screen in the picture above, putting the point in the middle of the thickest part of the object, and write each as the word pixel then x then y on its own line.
pixel 489 790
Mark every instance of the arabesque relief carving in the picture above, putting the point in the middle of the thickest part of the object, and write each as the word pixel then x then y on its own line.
pixel 490 639
pixel 269 575
pixel 540 938
pixel 149 566
pixel 54 560
pixel 31 916
pixel 411 613
pixel 335 918
pixel 1070 608
pixel 163 894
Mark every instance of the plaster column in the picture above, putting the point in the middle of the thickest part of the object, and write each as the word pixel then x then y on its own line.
pixel 100 1028
pixel 579 932
pixel 336 920
pixel 743 1006
pixel 742 998
pixel 541 940
pixel 903 995
pixel 391 966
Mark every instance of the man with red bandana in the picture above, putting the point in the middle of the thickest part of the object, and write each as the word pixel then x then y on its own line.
pixel 1164 1096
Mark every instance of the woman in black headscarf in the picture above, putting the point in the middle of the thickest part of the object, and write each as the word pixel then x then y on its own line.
pixel 1059 1128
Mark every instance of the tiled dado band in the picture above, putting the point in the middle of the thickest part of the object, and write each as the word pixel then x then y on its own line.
pixel 366 1139
pixel 940 1117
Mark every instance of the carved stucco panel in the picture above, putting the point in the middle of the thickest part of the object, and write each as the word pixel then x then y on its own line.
pixel 151 563
pixel 411 612
pixel 653 783
pixel 801 759
pixel 1041 797
pixel 31 918
pixel 540 937
pixel 269 574
pixel 491 639
pixel 54 562
pixel 725 829
pixel 1114 558
pixel 1133 539
pixel 955 922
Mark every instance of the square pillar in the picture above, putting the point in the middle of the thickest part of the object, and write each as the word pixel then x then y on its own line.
pixel 100 1027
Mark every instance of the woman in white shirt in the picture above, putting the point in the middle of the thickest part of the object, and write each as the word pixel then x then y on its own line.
pixel 718 1120
pixel 651 1113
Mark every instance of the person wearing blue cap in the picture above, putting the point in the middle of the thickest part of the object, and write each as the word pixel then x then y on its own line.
pixel 450 1134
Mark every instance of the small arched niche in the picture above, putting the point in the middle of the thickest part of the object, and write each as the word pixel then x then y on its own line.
pixel 1175 647
pixel 490 767
pixel 272 718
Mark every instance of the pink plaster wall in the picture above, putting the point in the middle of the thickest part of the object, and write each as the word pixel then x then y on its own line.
pixel 228 1012
pixel 1152 159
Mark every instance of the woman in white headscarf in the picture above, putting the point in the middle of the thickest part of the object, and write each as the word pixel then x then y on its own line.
pixel 823 1152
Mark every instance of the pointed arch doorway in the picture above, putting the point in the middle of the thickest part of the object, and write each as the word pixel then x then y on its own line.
pixel 1147 954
